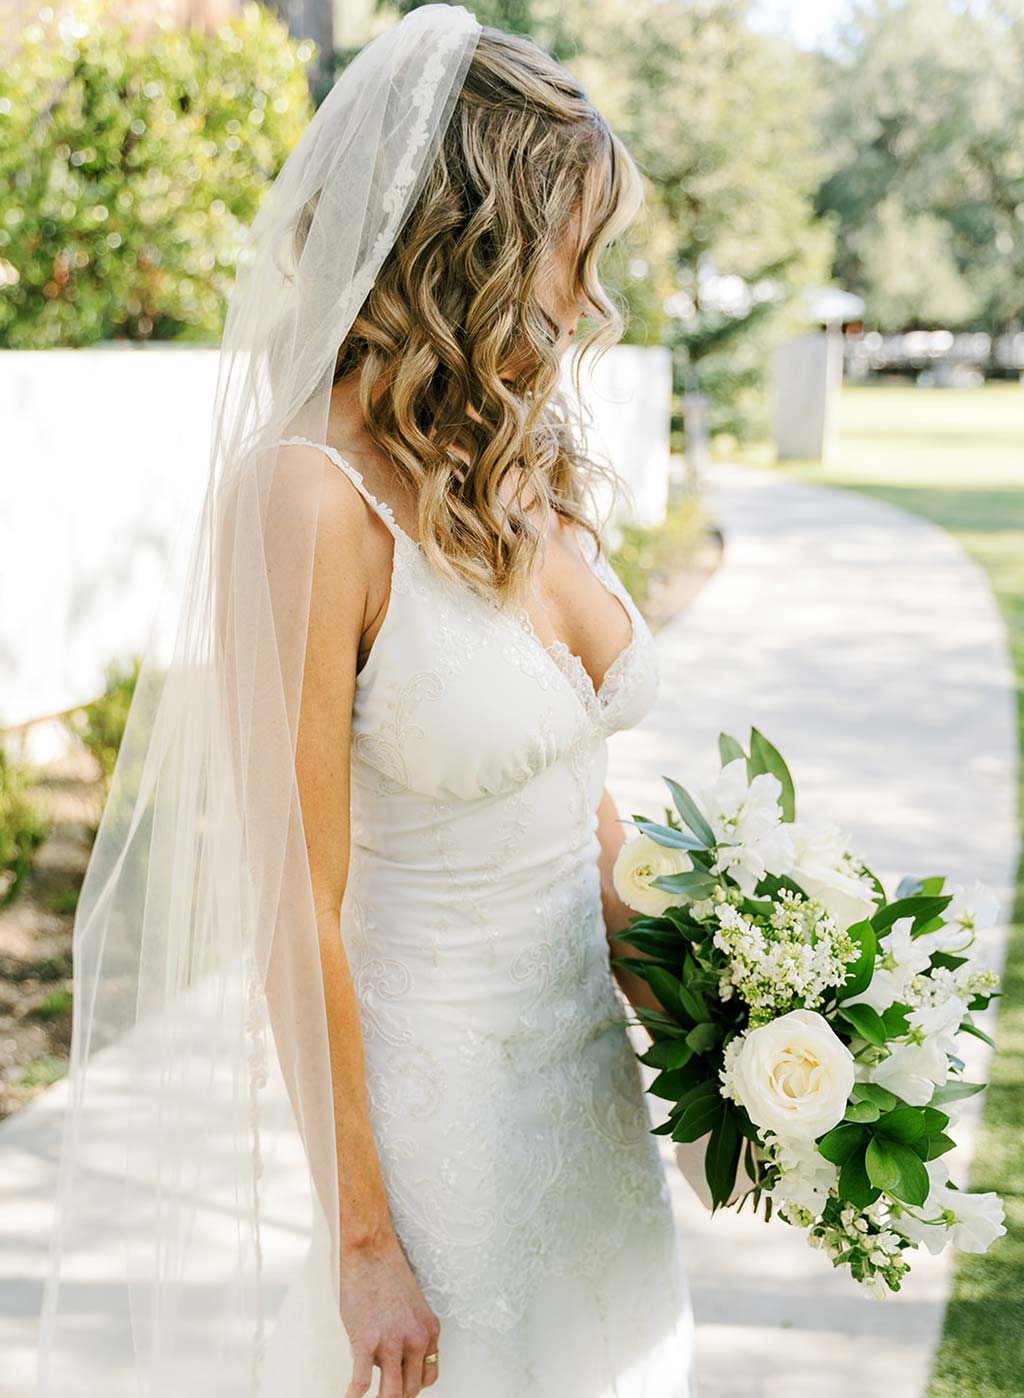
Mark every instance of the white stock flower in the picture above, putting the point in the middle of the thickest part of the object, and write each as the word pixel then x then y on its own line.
pixel 970 910
pixel 971 1222
pixel 638 862
pixel 901 957
pixel 747 817
pixel 793 1075
pixel 806 1178
pixel 822 867
pixel 915 1068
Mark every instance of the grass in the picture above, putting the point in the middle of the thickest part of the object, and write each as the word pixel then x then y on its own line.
pixel 956 456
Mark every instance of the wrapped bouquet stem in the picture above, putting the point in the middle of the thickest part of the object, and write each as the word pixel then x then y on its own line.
pixel 808 1031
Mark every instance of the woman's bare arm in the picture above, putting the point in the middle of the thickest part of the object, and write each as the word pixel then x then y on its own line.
pixel 612 835
pixel 387 1318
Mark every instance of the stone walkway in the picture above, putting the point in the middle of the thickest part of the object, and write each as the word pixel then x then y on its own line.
pixel 867 647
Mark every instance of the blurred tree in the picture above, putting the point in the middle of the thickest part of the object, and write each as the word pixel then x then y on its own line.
pixel 131 164
pixel 720 120
pixel 925 140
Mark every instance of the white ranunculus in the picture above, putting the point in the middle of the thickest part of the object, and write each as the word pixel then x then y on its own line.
pixel 638 862
pixel 821 869
pixel 793 1075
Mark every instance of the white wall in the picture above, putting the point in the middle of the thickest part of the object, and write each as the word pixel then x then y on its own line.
pixel 103 461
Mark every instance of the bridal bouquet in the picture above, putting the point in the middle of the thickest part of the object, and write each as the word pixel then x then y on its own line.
pixel 809 1027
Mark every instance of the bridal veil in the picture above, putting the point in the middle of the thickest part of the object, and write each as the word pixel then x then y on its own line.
pixel 197 977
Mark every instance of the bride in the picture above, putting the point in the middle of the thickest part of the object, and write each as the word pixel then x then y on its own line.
pixel 352 890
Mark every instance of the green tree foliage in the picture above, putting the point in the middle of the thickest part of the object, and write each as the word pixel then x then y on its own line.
pixel 925 140
pixel 720 120
pixel 131 163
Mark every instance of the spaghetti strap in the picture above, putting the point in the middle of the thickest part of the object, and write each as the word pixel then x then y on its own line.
pixel 380 507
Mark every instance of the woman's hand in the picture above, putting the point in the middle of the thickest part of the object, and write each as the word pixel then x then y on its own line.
pixel 388 1320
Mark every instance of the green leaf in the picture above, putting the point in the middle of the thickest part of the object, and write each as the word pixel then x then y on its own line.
pixel 840 1143
pixel 659 1024
pixel 862 968
pixel 722 1157
pixel 896 1170
pixel 917 907
pixel 700 1115
pixel 690 812
pixel 934 1120
pixel 728 749
pixel 874 1092
pixel 854 1184
pixel 904 1124
pixel 693 883
pixel 665 835
pixel 705 1036
pixel 939 1144
pixel 667 1053
pixel 896 1018
pixel 978 1033
pixel 766 758
pixel 866 1022
pixel 667 987
pixel 862 1111
pixel 671 1084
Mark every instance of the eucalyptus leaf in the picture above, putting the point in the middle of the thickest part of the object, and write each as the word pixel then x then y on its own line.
pixel 690 812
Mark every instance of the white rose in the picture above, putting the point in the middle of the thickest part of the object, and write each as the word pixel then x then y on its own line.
pixel 820 868
pixel 794 1075
pixel 638 862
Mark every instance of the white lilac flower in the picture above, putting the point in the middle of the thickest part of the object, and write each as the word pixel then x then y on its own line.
pixel 941 984
pixel 824 869
pixel 901 957
pixel 788 959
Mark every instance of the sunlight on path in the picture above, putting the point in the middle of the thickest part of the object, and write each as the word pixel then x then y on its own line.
pixel 866 645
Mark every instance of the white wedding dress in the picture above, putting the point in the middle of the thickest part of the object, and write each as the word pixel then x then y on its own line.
pixel 507 1105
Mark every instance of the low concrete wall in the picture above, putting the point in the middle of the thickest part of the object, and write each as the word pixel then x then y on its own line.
pixel 104 457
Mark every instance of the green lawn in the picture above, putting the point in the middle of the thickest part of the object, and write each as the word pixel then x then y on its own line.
pixel 956 456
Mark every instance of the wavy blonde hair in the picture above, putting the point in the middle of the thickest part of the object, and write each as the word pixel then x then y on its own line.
pixel 524 155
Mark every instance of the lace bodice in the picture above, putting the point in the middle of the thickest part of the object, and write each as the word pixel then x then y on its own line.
pixel 504 1091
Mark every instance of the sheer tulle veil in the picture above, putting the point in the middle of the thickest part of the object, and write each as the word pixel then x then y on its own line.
pixel 199 1148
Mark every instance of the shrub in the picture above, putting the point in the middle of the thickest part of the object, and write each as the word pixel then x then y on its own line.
pixel 132 161
pixel 23 828
pixel 99 725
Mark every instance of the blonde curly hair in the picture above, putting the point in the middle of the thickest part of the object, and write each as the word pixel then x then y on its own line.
pixel 526 162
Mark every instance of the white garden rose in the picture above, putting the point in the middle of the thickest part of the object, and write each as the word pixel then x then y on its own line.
pixel 638 862
pixel 823 870
pixel 793 1075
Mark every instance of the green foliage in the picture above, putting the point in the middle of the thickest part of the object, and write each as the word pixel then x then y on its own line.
pixel 23 828
pixel 923 136
pixel 100 724
pixel 131 163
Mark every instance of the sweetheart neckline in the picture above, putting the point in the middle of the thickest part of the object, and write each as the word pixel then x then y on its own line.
pixel 585 689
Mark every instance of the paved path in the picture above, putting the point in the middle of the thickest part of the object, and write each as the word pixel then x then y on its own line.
pixel 866 645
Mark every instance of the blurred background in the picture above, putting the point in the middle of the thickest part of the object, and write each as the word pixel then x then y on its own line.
pixel 826 287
